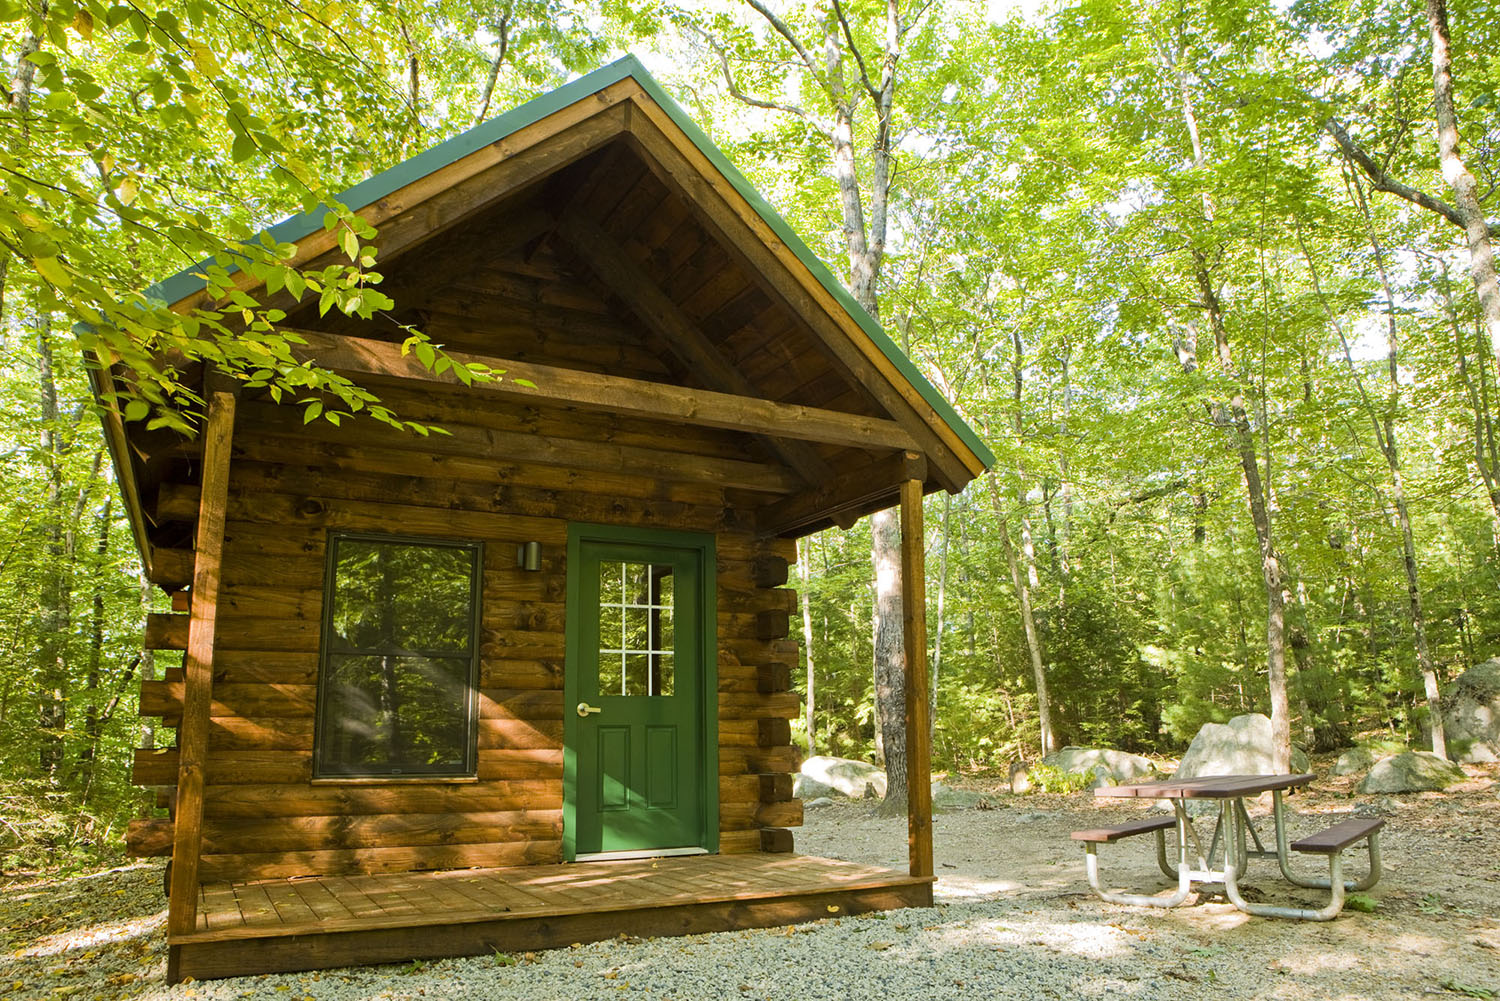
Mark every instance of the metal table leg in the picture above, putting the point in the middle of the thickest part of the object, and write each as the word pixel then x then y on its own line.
pixel 1232 888
pixel 1319 882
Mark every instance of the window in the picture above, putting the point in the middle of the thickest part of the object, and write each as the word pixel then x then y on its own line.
pixel 400 657
pixel 636 640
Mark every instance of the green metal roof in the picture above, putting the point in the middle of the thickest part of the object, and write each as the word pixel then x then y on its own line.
pixel 190 280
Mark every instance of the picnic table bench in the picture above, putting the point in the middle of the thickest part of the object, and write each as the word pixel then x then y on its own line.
pixel 1233 826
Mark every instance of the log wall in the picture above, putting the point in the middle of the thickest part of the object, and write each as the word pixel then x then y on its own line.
pixel 291 485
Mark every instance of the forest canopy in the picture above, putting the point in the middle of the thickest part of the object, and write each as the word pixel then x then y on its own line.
pixel 1207 277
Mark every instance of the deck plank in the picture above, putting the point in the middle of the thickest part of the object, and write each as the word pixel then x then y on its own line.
pixel 317 923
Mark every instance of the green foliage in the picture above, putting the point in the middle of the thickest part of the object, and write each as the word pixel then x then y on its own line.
pixel 1046 778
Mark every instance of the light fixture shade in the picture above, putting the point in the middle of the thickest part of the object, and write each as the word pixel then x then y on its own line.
pixel 529 556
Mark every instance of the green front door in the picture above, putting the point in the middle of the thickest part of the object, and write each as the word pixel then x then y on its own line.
pixel 638 737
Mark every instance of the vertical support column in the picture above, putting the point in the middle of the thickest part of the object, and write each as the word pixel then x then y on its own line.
pixel 914 633
pixel 192 741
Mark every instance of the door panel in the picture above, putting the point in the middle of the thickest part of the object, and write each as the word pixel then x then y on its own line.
pixel 639 749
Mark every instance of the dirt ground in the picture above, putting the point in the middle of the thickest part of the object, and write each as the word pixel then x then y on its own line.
pixel 1008 874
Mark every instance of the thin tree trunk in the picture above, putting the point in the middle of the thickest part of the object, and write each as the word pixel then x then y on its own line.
pixel 92 724
pixel 1383 424
pixel 890 659
pixel 1028 623
pixel 21 85
pixel 804 577
pixel 1460 180
pixel 55 613
pixel 1486 453
pixel 494 74
pixel 942 597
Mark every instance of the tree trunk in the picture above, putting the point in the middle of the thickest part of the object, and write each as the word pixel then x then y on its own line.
pixel 55 613
pixel 804 576
pixel 93 729
pixel 890 658
pixel 1383 423
pixel 937 642
pixel 494 74
pixel 1456 173
pixel 1028 623
pixel 21 84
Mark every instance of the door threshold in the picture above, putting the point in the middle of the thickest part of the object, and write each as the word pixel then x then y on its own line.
pixel 638 853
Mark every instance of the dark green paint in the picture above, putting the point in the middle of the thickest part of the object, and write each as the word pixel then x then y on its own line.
pixel 643 773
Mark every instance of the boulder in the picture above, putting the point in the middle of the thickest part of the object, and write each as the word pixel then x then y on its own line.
pixel 1413 771
pixel 1105 767
pixel 1471 713
pixel 806 788
pixel 842 777
pixel 1356 759
pixel 1240 747
pixel 817 804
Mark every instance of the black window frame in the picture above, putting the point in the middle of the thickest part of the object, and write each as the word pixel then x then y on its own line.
pixel 322 769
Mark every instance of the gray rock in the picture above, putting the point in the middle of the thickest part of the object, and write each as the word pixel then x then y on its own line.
pixel 844 777
pixel 1240 747
pixel 1355 759
pixel 1471 712
pixel 1030 816
pixel 817 804
pixel 1106 767
pixel 806 788
pixel 1413 771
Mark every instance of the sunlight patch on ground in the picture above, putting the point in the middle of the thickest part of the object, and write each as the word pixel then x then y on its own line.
pixel 1088 941
pixel 970 887
pixel 112 933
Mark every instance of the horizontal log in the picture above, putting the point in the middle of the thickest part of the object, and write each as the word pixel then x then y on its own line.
pixel 511 764
pixel 520 446
pixel 742 842
pixel 546 384
pixel 149 838
pixel 260 733
pixel 740 816
pixel 158 767
pixel 281 865
pixel 255 801
pixel 739 705
pixel 165 631
pixel 164 698
pixel 182 601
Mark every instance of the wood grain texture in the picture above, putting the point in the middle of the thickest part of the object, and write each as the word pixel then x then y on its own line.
pixel 198 665
pixel 914 637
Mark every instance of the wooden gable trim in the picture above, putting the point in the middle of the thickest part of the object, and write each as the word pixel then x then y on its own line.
pixel 609 393
pixel 684 168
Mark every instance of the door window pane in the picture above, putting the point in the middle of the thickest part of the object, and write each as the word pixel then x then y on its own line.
pixel 396 687
pixel 636 635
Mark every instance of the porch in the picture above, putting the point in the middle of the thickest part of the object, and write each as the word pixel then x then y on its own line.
pixel 285 925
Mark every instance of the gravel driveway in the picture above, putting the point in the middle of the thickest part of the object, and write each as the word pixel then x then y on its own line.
pixel 1014 919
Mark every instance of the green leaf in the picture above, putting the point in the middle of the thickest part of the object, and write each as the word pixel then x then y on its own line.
pixel 136 410
pixel 53 272
pixel 313 410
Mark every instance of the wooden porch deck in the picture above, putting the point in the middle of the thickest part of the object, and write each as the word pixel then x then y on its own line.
pixel 286 925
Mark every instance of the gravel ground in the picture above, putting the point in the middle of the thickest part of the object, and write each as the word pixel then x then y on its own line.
pixel 1014 919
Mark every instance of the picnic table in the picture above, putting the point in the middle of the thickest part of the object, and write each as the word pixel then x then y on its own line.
pixel 1233 835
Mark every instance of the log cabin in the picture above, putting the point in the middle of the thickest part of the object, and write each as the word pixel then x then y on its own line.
pixel 528 682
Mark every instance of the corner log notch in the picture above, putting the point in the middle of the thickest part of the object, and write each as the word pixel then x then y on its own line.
pixel 610 394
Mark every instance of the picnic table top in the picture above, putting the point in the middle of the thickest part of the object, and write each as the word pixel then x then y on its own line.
pixel 1207 787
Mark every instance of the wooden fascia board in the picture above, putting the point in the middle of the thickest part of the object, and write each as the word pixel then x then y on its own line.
pixel 656 109
pixel 546 384
pixel 118 444
pixel 185 291
pixel 843 501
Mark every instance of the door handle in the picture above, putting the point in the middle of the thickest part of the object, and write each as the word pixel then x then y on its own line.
pixel 585 710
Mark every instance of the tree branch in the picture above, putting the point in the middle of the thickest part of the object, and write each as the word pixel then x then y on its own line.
pixel 1383 181
pixel 864 74
pixel 754 102
pixel 785 31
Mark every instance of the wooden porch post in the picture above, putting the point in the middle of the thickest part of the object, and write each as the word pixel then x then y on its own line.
pixel 914 632
pixel 197 689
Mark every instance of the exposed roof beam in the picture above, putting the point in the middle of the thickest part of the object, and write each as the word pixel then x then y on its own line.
pixel 611 394
pixel 622 276
pixel 844 500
